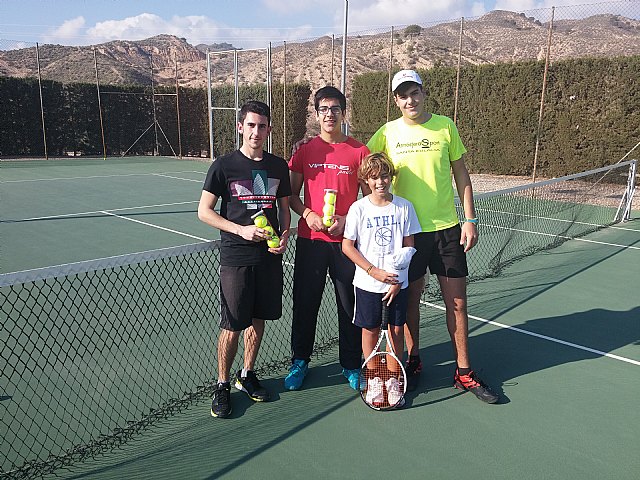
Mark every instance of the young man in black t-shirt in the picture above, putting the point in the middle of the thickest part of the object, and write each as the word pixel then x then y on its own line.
pixel 251 283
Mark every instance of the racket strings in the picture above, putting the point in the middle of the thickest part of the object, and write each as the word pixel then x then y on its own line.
pixel 383 382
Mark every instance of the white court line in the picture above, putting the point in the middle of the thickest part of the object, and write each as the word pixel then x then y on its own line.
pixel 565 237
pixel 98 176
pixel 79 214
pixel 176 178
pixel 615 226
pixel 156 226
pixel 544 337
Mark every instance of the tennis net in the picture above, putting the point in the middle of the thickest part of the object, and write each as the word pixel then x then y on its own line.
pixel 95 352
pixel 520 221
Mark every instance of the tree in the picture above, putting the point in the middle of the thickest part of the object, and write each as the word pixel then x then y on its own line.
pixel 413 30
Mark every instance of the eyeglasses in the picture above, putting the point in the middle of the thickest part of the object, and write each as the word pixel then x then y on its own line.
pixel 324 110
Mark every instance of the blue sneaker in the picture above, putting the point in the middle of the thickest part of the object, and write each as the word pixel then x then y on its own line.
pixel 353 376
pixel 297 372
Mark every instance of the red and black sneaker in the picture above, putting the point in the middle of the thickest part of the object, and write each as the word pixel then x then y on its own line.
pixel 473 384
pixel 413 368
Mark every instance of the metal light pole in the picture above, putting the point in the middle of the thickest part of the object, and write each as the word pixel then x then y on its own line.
pixel 343 83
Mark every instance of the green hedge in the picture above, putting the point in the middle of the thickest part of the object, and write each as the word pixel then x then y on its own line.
pixel 591 112
pixel 73 122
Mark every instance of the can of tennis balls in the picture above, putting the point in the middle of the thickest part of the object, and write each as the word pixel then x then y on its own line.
pixel 329 209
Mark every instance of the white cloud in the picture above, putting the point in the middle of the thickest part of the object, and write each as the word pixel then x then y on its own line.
pixel 69 30
pixel 404 12
pixel 196 29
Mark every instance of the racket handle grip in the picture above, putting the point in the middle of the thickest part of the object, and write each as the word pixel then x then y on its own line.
pixel 385 316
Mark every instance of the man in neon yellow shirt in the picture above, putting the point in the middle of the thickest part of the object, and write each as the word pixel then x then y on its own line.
pixel 425 148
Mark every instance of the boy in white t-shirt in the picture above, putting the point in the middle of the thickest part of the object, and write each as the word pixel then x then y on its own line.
pixel 378 238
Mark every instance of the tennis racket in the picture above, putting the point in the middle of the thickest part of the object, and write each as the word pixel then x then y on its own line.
pixel 382 376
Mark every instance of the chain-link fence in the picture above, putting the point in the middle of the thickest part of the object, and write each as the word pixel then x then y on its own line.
pixel 94 352
pixel 175 122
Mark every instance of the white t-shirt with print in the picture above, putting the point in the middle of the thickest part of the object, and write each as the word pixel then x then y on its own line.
pixel 378 233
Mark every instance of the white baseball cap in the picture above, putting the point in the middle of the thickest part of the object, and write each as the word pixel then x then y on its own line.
pixel 405 76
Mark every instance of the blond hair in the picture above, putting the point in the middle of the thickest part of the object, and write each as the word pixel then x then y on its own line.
pixel 375 165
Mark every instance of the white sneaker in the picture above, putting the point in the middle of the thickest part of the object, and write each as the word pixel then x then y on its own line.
pixel 394 395
pixel 375 394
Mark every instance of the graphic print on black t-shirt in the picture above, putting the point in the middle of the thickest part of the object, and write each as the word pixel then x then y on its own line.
pixel 258 193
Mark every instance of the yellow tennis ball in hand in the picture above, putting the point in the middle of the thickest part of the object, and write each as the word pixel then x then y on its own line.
pixel 273 242
pixel 328 221
pixel 269 230
pixel 260 221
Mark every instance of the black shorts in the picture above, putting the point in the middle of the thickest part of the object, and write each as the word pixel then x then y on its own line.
pixel 250 292
pixel 369 309
pixel 441 252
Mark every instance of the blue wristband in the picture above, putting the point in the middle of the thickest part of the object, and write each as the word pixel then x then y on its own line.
pixel 472 220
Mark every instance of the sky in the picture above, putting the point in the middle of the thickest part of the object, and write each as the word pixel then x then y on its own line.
pixel 242 23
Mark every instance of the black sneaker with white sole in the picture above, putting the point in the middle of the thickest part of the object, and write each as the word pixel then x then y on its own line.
pixel 221 404
pixel 251 386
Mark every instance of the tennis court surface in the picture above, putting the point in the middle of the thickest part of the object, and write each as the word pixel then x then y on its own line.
pixel 107 364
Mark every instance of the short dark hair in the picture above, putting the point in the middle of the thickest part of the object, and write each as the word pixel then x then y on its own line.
pixel 330 92
pixel 257 107
pixel 404 87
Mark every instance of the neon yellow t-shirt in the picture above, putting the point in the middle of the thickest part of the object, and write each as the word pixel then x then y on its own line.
pixel 422 155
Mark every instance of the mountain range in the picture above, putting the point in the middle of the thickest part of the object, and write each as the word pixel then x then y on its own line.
pixel 499 36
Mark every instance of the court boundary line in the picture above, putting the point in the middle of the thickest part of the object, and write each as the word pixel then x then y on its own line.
pixel 562 220
pixel 543 337
pixel 564 237
pixel 102 176
pixel 81 214
pixel 155 226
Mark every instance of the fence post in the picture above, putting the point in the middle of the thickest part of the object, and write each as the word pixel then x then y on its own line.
pixel 343 82
pixel 44 130
pixel 455 106
pixel 389 79
pixel 175 58
pixel 544 87
pixel 95 66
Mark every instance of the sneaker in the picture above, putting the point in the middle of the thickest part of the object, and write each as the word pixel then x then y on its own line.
pixel 375 394
pixel 297 372
pixel 353 376
pixel 394 394
pixel 473 384
pixel 221 405
pixel 413 369
pixel 251 386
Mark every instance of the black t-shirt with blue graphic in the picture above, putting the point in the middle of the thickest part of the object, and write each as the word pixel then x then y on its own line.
pixel 246 186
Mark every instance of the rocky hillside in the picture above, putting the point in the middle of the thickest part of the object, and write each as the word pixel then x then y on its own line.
pixel 499 36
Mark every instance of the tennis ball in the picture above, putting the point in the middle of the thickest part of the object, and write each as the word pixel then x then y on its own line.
pixel 269 230
pixel 260 221
pixel 330 198
pixel 328 221
pixel 329 210
pixel 273 242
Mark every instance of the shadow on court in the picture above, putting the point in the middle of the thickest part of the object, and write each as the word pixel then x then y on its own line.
pixel 526 296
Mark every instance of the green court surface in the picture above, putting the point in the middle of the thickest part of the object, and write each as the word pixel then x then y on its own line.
pixel 562 349
pixel 557 334
pixel 58 212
